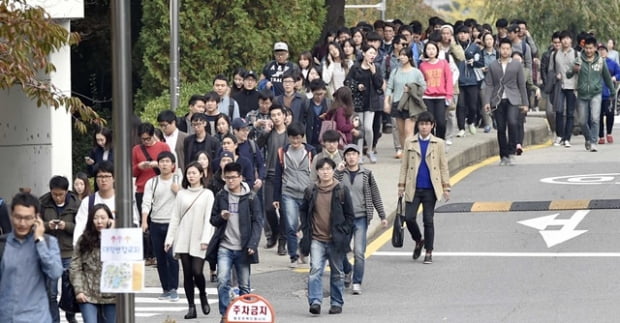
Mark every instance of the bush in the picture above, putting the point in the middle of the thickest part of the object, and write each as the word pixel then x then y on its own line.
pixel 161 103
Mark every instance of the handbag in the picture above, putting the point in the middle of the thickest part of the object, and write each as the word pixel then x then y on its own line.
pixel 68 303
pixel 398 232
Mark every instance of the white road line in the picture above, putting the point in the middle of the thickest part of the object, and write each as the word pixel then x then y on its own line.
pixel 507 254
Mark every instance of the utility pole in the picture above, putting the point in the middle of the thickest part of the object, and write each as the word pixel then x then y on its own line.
pixel 174 54
pixel 121 111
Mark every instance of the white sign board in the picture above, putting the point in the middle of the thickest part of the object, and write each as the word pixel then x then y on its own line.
pixel 124 244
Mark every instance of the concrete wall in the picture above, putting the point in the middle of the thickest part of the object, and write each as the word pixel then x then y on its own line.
pixel 35 143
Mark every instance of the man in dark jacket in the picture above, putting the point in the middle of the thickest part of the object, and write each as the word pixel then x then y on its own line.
pixel 58 210
pixel 326 215
pixel 5 222
pixel 236 216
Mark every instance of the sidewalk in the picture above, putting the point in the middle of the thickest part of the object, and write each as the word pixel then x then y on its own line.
pixel 462 153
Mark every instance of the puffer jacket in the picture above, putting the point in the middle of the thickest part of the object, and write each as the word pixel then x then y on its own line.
pixel 85 274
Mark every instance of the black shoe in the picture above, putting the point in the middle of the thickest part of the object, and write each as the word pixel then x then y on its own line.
pixel 335 310
pixel 271 243
pixel 191 313
pixel 428 258
pixel 315 309
pixel 281 248
pixel 204 303
pixel 213 278
pixel 71 317
pixel 418 249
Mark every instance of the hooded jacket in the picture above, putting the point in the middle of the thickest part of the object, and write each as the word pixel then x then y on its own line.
pixel 250 222
pixel 589 83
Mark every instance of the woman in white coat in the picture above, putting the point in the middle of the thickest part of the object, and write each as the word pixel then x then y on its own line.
pixel 189 234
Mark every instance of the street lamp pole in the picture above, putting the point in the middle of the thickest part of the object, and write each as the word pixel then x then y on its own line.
pixel 174 54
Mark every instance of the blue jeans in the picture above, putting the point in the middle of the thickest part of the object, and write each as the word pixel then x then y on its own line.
pixel 589 114
pixel 167 266
pixel 291 207
pixel 53 293
pixel 360 227
pixel 227 260
pixel 98 313
pixel 319 253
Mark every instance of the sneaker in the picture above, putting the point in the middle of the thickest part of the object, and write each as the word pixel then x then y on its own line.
pixel 610 139
pixel 557 142
pixel 418 249
pixel 593 148
pixel 519 150
pixel 510 160
pixel 487 129
pixel 165 296
pixel 335 309
pixel 399 154
pixel 588 145
pixel 315 309
pixel 428 258
pixel 347 279
pixel 448 142
pixel 567 144
pixel 472 129
pixel 387 128
pixel 281 248
pixel 357 289
pixel 302 260
pixel 174 296
pixel 293 263
pixel 372 157
pixel 504 161
pixel 601 141
pixel 461 133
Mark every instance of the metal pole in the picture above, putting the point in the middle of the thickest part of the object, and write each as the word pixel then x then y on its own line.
pixel 174 54
pixel 121 110
pixel 383 9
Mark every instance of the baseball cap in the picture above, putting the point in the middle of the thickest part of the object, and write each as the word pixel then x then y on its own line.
pixel 239 123
pixel 514 28
pixel 280 46
pixel 250 74
pixel 352 147
pixel 228 154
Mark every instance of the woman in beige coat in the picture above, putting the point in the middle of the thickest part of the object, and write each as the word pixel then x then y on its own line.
pixel 189 234
pixel 423 180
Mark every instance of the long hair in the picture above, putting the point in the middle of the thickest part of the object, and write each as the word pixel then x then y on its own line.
pixel 91 238
pixel 195 164
pixel 84 178
pixel 208 173
pixel 343 62
pixel 343 97
pixel 107 134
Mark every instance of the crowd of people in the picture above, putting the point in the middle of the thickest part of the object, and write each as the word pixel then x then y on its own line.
pixel 282 152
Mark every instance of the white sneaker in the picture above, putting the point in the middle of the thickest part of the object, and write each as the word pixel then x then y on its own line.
pixel 567 144
pixel 357 289
pixel 593 148
pixel 461 133
pixel 558 141
pixel 448 142
pixel 372 157
pixel 472 129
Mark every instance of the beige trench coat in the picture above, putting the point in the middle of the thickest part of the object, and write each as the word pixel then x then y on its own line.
pixel 436 160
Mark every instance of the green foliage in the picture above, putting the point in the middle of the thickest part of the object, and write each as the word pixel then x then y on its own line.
pixel 546 16
pixel 405 10
pixel 162 102
pixel 220 35
pixel 27 37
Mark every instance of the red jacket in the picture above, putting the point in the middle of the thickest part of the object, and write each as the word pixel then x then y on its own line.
pixel 343 123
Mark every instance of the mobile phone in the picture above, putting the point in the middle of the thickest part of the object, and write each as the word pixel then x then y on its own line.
pixel 56 221
pixel 109 225
pixel 33 228
pixel 175 178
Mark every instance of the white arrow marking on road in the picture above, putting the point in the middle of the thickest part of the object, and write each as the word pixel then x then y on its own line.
pixel 555 237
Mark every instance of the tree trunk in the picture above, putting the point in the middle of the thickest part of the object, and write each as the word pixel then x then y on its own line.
pixel 335 16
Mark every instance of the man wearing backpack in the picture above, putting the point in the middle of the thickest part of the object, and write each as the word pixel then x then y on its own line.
pixel 28 259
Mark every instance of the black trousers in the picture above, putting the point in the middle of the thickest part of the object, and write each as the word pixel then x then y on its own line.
pixel 427 198
pixel 467 105
pixel 438 108
pixel 607 113
pixel 146 237
pixel 506 117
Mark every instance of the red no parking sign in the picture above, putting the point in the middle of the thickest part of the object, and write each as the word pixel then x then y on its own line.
pixel 250 308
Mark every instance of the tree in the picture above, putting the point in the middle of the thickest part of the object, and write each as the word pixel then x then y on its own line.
pixel 546 16
pixel 405 10
pixel 220 35
pixel 27 37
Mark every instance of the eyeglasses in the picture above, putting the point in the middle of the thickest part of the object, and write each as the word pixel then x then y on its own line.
pixel 146 139
pixel 325 170
pixel 197 124
pixel 104 177
pixel 404 44
pixel 20 218
pixel 288 82
pixel 164 125
pixel 230 178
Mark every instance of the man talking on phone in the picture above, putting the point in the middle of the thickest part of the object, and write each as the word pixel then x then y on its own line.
pixel 58 210
pixel 28 258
